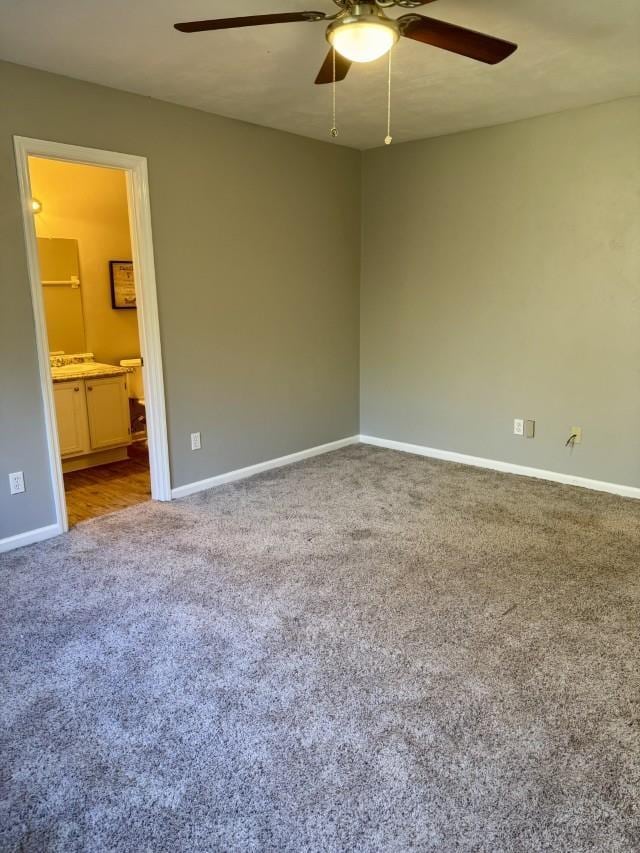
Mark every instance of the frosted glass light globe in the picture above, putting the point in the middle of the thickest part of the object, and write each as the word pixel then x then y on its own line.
pixel 363 41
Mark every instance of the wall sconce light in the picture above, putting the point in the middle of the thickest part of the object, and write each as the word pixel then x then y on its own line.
pixel 36 205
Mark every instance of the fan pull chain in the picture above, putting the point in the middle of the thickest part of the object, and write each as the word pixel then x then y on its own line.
pixel 334 129
pixel 388 138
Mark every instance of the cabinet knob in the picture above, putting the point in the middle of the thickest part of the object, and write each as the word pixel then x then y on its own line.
pixel 89 387
pixel 76 388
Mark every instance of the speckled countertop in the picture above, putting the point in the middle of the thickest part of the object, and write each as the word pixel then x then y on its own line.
pixel 67 368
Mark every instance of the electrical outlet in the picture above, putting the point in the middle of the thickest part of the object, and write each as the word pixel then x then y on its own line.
pixel 577 432
pixel 16 482
pixel 195 441
pixel 518 426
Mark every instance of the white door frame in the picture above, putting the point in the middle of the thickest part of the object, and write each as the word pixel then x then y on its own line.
pixel 135 169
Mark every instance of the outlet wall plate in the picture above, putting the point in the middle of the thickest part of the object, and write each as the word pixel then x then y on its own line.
pixel 577 431
pixel 518 426
pixel 16 482
pixel 195 441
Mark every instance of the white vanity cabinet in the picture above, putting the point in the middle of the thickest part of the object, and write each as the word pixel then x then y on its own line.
pixel 93 421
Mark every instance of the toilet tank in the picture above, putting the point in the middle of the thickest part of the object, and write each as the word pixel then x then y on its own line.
pixel 135 384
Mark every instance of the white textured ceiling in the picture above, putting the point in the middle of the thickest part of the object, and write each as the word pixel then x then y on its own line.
pixel 570 54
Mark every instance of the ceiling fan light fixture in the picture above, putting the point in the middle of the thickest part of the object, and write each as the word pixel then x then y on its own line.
pixel 363 38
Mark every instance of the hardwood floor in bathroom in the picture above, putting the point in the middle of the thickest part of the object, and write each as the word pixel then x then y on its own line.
pixel 107 488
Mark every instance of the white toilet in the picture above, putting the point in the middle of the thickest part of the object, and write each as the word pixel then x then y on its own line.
pixel 135 389
pixel 135 384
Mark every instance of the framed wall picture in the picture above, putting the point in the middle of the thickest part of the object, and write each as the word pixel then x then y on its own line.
pixel 123 285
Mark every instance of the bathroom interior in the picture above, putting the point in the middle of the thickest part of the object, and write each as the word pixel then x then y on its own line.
pixel 88 286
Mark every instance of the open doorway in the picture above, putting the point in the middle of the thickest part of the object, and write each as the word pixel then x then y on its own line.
pixel 88 288
pixel 88 235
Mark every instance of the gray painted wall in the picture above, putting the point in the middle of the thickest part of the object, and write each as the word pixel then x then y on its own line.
pixel 501 279
pixel 256 236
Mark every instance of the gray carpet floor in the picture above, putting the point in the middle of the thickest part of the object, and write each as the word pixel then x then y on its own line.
pixel 367 651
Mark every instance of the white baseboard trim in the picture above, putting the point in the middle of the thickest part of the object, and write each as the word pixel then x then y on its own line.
pixel 506 467
pixel 250 470
pixel 29 537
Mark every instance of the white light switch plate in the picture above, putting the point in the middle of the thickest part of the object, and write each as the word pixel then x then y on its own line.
pixel 16 482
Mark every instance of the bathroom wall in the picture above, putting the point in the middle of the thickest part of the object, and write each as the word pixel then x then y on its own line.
pixel 89 204
pixel 257 249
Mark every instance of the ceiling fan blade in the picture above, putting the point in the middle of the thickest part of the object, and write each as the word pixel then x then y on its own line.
pixel 456 39
pixel 325 75
pixel 248 21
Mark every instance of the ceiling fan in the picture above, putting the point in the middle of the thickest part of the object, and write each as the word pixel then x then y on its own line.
pixel 361 32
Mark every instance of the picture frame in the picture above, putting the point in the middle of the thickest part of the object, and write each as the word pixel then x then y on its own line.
pixel 123 285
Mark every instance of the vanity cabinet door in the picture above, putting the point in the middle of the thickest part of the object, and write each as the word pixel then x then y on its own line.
pixel 71 415
pixel 108 409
